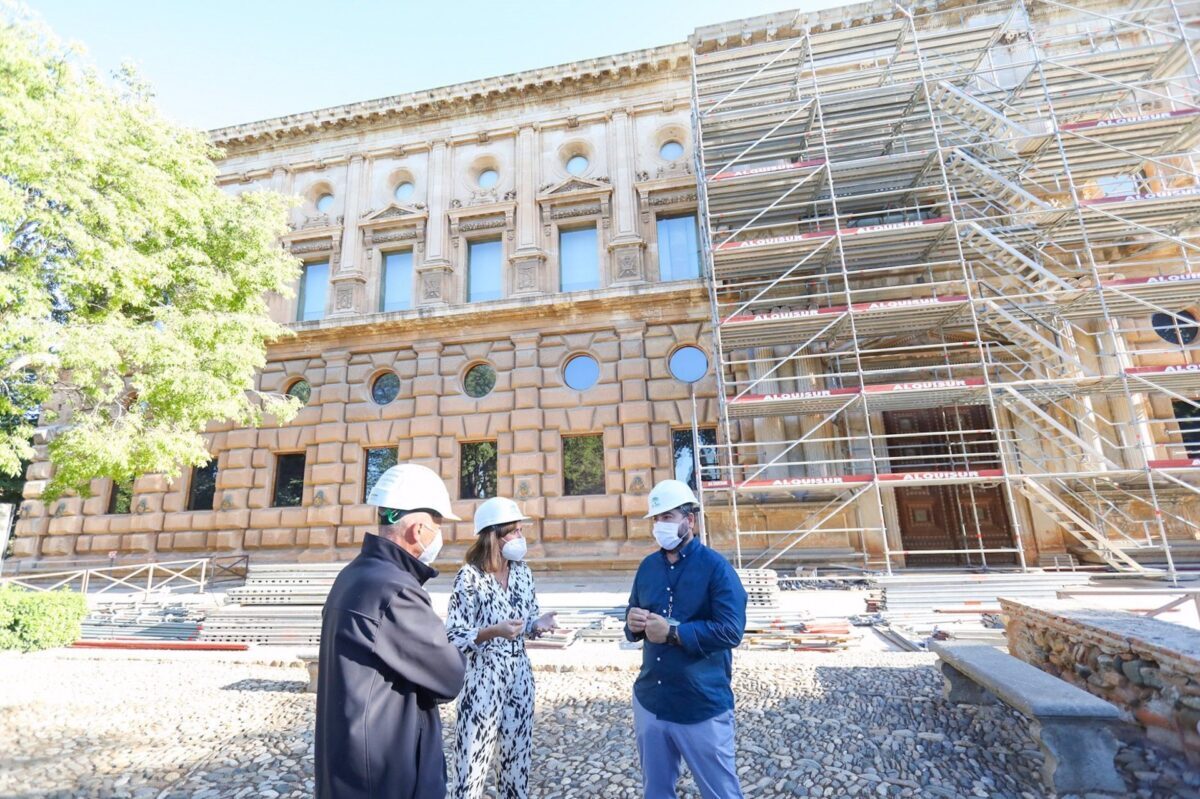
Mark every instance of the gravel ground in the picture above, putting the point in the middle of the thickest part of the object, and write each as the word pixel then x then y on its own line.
pixel 867 724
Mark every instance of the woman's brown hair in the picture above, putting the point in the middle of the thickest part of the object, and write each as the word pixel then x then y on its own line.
pixel 484 552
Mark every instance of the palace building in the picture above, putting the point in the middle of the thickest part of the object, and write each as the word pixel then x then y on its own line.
pixel 907 285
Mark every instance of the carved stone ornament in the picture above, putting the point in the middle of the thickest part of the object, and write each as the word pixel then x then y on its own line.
pixel 431 286
pixel 523 490
pixel 143 506
pixel 226 502
pixel 319 499
pixel 456 203
pixel 637 486
pixel 345 298
pixel 627 265
pixel 526 277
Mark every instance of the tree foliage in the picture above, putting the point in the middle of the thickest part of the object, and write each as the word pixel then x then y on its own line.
pixel 132 289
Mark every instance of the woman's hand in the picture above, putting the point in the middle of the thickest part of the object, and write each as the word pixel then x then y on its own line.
pixel 509 629
pixel 545 624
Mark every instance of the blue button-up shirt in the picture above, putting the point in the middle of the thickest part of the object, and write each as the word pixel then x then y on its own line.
pixel 690 683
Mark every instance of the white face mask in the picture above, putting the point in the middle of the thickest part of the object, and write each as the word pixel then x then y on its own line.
pixel 430 553
pixel 515 549
pixel 667 534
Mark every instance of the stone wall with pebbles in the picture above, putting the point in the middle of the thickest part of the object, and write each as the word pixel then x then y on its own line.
pixel 1148 667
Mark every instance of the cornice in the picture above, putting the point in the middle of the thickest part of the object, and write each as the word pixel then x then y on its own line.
pixel 562 80
pixel 788 24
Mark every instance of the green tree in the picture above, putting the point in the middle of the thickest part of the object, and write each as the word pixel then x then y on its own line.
pixel 132 289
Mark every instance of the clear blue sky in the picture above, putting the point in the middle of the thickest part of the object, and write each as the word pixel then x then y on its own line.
pixel 221 62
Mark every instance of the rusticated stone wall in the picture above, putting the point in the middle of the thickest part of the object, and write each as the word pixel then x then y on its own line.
pixel 1149 668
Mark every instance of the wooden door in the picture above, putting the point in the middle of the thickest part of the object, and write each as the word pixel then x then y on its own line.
pixel 948 517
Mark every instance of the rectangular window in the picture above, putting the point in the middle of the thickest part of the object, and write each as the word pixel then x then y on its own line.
pixel 678 248
pixel 289 480
pixel 1188 417
pixel 120 497
pixel 477 470
pixel 684 460
pixel 314 284
pixel 397 281
pixel 203 487
pixel 379 460
pixel 579 259
pixel 483 271
pixel 583 465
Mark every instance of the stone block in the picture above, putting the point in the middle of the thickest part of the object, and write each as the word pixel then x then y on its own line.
pixel 326 514
pixel 65 526
pixel 24 547
pixel 329 452
pixel 526 441
pixel 258 498
pixel 328 473
pixel 635 435
pixel 235 478
pixel 637 458
pixel 564 507
pixel 424 448
pixel 553 529
pixel 237 519
pixel 278 539
pixel 526 463
pixel 225 540
pixel 562 397
pixel 177 521
pixel 328 432
pixel 146 522
pixel 525 377
pixel 241 438
pixel 607 505
pixel 260 458
pixel 586 529
pixel 526 419
pixel 138 542
pixel 264 517
pixel 635 412
pixel 321 537
pixel 430 425
pixel 525 398
pixel 189 542
pixel 293 517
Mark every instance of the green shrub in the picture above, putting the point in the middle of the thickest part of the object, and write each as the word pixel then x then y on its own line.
pixel 31 620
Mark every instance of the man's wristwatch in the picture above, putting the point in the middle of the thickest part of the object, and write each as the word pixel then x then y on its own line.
pixel 673 635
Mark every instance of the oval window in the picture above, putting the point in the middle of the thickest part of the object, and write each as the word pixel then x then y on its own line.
pixel 1180 328
pixel 404 191
pixel 479 381
pixel 488 178
pixel 670 150
pixel 385 388
pixel 581 372
pixel 688 364
pixel 577 164
pixel 324 202
pixel 301 390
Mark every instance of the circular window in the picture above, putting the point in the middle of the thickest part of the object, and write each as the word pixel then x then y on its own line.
pixel 301 390
pixel 688 364
pixel 404 191
pixel 1180 328
pixel 581 372
pixel 480 380
pixel 670 150
pixel 385 388
pixel 324 202
pixel 577 164
pixel 488 178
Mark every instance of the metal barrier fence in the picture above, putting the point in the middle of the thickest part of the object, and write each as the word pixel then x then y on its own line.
pixel 197 573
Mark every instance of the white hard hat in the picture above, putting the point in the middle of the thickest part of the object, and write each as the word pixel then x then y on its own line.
pixel 412 487
pixel 497 510
pixel 668 495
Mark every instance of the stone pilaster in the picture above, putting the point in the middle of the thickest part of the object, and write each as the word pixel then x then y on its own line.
pixel 434 275
pixel 349 283
pixel 626 248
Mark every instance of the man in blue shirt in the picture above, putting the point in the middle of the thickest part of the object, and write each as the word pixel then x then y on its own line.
pixel 689 607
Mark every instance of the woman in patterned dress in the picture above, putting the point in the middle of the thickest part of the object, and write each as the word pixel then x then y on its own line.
pixel 492 610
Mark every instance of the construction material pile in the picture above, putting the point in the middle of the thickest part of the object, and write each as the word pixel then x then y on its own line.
pixel 794 631
pixel 142 621
pixel 911 609
pixel 762 587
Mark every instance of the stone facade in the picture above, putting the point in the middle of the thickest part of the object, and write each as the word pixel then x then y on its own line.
pixel 616 113
pixel 1147 667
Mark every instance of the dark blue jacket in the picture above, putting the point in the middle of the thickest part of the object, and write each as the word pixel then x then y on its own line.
pixel 689 683
pixel 385 666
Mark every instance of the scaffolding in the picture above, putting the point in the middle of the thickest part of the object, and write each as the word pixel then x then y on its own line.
pixel 949 250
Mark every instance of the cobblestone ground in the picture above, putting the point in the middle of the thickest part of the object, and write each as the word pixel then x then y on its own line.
pixel 853 724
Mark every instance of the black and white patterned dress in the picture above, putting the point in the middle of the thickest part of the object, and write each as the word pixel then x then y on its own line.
pixel 497 696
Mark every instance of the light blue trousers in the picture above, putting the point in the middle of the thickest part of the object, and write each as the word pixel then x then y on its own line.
pixel 707 747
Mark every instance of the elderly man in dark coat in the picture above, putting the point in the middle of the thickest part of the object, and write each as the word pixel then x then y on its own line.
pixel 385 662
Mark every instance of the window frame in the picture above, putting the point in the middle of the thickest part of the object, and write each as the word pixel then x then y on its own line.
pixel 302 292
pixel 191 491
pixel 471 244
pixel 667 216
pixel 710 468
pixel 383 279
pixel 113 489
pixel 367 450
pixel 463 494
pixel 566 492
pixel 565 230
pixel 276 474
